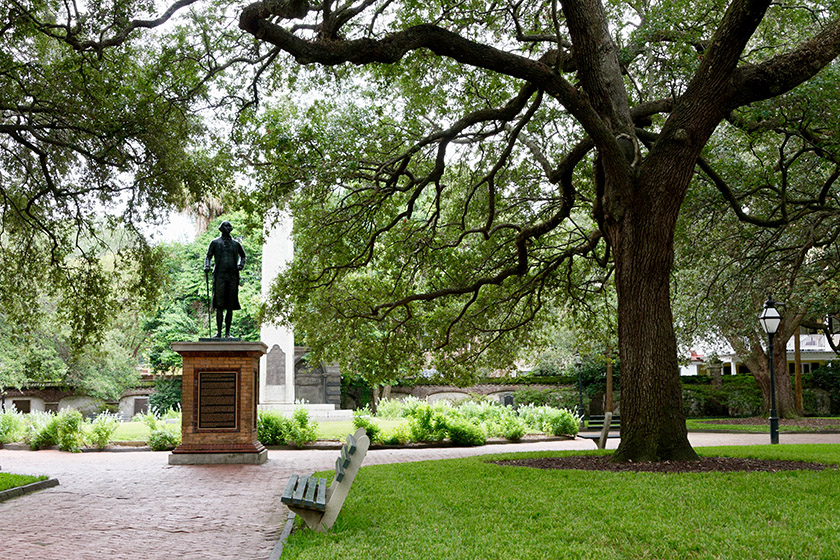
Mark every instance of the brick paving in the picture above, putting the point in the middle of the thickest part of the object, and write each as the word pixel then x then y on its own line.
pixel 134 505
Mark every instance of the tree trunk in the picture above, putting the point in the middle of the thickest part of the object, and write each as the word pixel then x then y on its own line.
pixel 800 408
pixel 608 397
pixel 652 415
pixel 760 367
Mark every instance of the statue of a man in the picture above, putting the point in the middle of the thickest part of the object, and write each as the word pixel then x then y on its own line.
pixel 230 259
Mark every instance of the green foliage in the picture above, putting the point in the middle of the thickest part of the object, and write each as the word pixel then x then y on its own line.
pixel 102 429
pixel 301 430
pixel 162 435
pixel 69 430
pixel 164 439
pixel 550 420
pixel 362 419
pixel 738 396
pixel 41 430
pixel 827 378
pixel 513 428
pixel 561 423
pixel 86 162
pixel 399 435
pixel 559 398
pixel 12 426
pixel 463 432
pixel 182 314
pixel 166 396
pixel 275 429
pixel 149 419
pixel 272 427
pixel 428 423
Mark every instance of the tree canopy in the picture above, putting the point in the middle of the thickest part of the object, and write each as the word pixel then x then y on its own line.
pixel 504 157
pixel 456 170
pixel 100 131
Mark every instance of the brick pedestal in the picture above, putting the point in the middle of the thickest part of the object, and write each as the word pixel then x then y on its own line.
pixel 220 393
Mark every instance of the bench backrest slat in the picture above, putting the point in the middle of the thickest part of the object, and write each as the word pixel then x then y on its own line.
pixel 339 469
pixel 351 444
pixel 345 458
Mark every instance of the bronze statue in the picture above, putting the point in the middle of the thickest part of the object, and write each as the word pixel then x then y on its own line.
pixel 230 259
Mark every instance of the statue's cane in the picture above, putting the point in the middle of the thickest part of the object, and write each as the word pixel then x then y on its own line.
pixel 209 305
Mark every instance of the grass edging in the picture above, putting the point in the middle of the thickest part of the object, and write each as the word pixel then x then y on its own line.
pixel 27 489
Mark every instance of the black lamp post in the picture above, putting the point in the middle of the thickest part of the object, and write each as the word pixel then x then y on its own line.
pixel 770 320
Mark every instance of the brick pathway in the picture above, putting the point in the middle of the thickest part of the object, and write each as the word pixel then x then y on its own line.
pixel 134 505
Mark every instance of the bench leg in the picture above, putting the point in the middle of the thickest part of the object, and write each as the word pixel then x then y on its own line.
pixel 605 431
pixel 312 518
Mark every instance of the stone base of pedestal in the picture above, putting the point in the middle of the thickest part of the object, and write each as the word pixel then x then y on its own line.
pixel 218 458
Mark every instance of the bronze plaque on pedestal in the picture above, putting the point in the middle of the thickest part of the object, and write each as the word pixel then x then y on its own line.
pixel 217 396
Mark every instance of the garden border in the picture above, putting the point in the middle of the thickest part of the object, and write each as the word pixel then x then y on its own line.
pixel 27 489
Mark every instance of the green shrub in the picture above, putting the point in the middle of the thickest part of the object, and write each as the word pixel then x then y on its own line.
pixel 513 428
pixel 164 439
pixel 745 403
pixel 827 378
pixel 272 427
pixel 464 432
pixel 535 416
pixel 12 426
pixel 362 419
pixel 149 419
pixel 427 424
pixel 561 423
pixel 102 429
pixel 398 408
pixel 40 430
pixel 70 430
pixel 400 435
pixel 166 396
pixel 300 430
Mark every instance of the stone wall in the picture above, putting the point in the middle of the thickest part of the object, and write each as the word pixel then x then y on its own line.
pixel 319 385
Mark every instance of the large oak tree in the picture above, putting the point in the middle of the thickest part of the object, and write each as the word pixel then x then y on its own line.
pixel 578 108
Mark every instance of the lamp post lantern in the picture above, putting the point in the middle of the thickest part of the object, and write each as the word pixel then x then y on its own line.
pixel 770 320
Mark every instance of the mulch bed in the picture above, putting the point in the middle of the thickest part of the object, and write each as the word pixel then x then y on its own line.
pixel 705 464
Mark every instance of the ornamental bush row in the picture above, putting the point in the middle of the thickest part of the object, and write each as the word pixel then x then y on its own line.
pixel 468 422
pixel 69 431
pixel 275 429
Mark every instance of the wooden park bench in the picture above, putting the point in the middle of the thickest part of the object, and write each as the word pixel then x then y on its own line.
pixel 603 423
pixel 596 421
pixel 317 503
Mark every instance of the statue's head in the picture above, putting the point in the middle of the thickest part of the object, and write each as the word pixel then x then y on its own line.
pixel 225 227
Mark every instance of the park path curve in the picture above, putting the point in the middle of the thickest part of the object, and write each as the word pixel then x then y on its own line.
pixel 133 504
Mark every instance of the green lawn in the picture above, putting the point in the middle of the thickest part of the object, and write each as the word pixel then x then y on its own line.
pixel 131 431
pixel 8 480
pixel 470 508
pixel 698 425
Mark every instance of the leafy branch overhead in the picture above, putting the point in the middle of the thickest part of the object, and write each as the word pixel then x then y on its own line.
pixel 478 165
pixel 416 181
